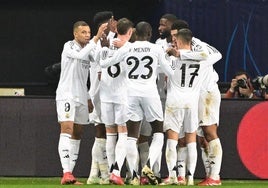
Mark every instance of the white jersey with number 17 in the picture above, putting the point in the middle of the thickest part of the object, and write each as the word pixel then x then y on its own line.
pixel 184 86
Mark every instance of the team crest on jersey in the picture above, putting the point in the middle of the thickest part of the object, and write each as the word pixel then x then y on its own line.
pixel 67 115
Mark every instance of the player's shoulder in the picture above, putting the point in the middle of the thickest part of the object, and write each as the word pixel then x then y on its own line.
pixel 197 44
pixel 160 41
pixel 70 44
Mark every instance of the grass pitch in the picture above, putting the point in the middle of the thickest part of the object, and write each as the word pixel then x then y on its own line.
pixel 54 182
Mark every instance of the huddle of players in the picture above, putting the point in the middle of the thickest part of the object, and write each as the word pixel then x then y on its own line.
pixel 124 92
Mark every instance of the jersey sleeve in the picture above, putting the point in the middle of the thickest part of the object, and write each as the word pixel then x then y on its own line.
pixel 118 56
pixel 199 56
pixel 86 53
pixel 200 51
pixel 165 63
pixel 213 58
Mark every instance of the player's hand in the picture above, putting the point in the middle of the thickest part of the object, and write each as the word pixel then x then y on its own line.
pixel 173 52
pixel 118 43
pixel 99 76
pixel 100 32
pixel 90 106
pixel 104 41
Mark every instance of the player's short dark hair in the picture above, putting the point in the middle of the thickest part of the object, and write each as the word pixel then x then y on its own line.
pixel 79 23
pixel 179 24
pixel 123 25
pixel 143 29
pixel 186 35
pixel 102 17
pixel 169 17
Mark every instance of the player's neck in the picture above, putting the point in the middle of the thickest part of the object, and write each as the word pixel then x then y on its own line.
pixel 122 37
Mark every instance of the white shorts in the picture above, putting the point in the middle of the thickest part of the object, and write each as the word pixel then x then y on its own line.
pixel 68 110
pixel 209 107
pixel 148 107
pixel 145 129
pixel 181 120
pixel 114 113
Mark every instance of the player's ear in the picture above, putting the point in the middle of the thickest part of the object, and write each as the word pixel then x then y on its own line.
pixel 130 31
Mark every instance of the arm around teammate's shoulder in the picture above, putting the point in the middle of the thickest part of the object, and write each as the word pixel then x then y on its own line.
pixel 165 63
pixel 117 57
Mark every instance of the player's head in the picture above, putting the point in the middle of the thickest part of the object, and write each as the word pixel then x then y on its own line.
pixel 143 31
pixel 123 26
pixel 184 39
pixel 81 32
pixel 165 23
pixel 176 26
pixel 102 17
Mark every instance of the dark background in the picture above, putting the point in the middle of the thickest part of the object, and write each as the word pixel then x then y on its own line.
pixel 33 33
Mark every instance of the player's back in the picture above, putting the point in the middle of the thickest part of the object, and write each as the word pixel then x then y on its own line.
pixel 142 62
pixel 184 86
pixel 113 80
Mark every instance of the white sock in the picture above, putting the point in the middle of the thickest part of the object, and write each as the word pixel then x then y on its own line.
pixel 205 160
pixel 110 148
pixel 181 161
pixel 94 169
pixel 155 147
pixel 132 155
pixel 157 166
pixel 192 157
pixel 171 156
pixel 74 151
pixel 102 159
pixel 64 149
pixel 215 157
pixel 120 151
pixel 143 152
pixel 95 154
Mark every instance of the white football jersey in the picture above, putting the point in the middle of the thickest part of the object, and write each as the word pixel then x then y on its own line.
pixel 95 69
pixel 163 43
pixel 184 86
pixel 141 60
pixel 75 63
pixel 211 77
pixel 201 51
pixel 113 85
